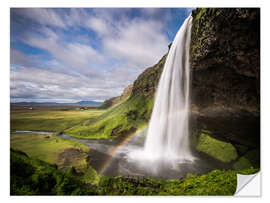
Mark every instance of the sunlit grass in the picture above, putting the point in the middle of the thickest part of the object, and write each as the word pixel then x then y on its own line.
pixel 46 147
pixel 122 118
pixel 51 120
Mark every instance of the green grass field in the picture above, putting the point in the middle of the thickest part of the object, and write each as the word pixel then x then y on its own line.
pixel 53 120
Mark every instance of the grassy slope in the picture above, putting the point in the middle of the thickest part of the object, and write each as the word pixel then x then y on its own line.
pixel 55 150
pixel 118 120
pixel 50 120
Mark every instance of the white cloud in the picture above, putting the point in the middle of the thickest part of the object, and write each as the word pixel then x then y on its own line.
pixel 77 70
pixel 139 42
pixel 51 84
pixel 43 16
pixel 72 55
pixel 98 25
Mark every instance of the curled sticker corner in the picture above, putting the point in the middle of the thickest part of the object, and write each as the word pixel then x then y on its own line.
pixel 243 181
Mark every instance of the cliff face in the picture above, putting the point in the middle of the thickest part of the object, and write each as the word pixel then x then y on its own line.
pixel 225 58
pixel 147 82
pixel 225 66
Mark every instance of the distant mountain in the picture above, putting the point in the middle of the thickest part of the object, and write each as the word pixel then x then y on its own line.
pixel 88 103
pixel 80 103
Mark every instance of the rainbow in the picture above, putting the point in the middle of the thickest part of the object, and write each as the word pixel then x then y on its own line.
pixel 116 148
pixel 112 152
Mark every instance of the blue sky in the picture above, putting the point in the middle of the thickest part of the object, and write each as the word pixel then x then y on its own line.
pixel 68 55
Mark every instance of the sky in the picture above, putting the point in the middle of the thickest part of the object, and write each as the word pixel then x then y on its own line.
pixel 69 55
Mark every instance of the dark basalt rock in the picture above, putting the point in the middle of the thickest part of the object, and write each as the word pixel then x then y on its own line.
pixel 225 57
pixel 239 127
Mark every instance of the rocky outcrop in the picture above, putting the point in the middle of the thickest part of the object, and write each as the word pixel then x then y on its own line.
pixel 115 100
pixel 110 102
pixel 147 82
pixel 126 93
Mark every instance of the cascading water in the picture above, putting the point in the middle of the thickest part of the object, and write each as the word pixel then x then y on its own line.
pixel 167 138
pixel 168 132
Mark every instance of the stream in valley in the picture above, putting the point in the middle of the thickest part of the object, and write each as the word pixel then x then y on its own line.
pixel 111 157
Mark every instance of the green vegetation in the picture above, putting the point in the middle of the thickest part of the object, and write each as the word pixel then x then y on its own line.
pixel 221 151
pixel 217 182
pixel 50 120
pixel 48 147
pixel 117 121
pixel 34 177
pixel 56 150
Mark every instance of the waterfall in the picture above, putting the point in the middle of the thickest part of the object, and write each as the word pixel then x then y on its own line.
pixel 168 132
